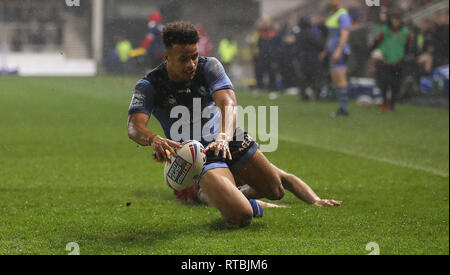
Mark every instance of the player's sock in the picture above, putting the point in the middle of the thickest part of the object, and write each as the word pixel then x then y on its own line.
pixel 257 209
pixel 343 99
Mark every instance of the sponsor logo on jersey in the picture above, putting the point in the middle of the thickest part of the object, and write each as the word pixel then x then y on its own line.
pixel 171 100
pixel 138 100
pixel 185 91
pixel 203 91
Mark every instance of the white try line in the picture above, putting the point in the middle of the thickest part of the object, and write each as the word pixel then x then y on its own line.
pixel 369 157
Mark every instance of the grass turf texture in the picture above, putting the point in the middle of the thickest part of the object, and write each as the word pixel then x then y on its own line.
pixel 67 171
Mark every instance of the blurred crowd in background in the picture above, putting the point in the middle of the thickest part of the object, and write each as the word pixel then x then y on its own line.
pixel 286 56
pixel 276 54
pixel 31 28
pixel 283 56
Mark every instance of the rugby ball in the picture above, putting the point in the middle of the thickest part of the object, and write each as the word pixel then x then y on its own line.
pixel 185 169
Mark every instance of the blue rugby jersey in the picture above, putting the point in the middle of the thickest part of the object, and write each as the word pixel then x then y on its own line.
pixel 156 94
pixel 335 23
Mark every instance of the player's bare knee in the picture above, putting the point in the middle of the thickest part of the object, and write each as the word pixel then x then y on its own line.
pixel 244 219
pixel 240 218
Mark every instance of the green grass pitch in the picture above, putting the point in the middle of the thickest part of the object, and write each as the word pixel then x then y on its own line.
pixel 68 169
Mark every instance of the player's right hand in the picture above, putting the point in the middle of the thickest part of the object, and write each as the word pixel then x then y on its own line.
pixel 160 145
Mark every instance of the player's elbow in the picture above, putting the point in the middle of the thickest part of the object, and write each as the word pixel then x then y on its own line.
pixel 230 106
pixel 232 102
pixel 228 102
pixel 130 136
pixel 225 99
pixel 277 193
pixel 131 131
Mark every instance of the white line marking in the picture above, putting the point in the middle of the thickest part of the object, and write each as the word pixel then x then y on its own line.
pixel 365 156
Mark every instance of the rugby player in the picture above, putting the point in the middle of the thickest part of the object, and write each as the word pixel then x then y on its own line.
pixel 231 152
pixel 338 50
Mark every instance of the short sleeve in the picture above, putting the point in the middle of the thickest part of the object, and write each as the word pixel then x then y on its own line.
pixel 143 98
pixel 216 77
pixel 345 21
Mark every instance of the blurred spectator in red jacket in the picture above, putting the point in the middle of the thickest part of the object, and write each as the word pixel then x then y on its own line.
pixel 204 44
pixel 152 46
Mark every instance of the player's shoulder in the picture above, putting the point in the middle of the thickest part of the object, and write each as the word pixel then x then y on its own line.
pixel 215 74
pixel 345 15
pixel 209 60
pixel 345 20
pixel 202 61
pixel 143 86
pixel 206 65
pixel 211 64
pixel 157 74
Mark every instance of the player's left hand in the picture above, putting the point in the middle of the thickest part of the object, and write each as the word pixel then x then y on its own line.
pixel 220 146
pixel 322 203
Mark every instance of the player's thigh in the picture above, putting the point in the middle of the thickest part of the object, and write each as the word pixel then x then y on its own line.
pixel 339 77
pixel 262 176
pixel 220 188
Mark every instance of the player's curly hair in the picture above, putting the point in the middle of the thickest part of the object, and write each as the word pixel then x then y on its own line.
pixel 180 33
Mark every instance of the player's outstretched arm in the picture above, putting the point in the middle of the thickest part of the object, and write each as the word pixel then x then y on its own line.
pixel 139 133
pixel 303 191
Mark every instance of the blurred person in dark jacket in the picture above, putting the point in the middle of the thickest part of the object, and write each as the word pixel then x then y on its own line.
pixel 310 44
pixel 268 47
pixel 425 36
pixel 289 54
pixel 256 58
pixel 441 40
pixel 425 49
